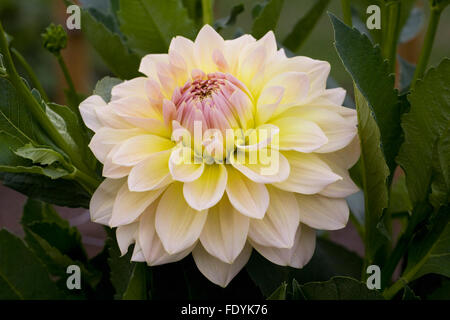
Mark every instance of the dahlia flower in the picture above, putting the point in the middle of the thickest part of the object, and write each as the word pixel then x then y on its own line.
pixel 222 147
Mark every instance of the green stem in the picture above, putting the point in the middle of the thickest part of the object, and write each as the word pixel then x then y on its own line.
pixel 392 33
pixel 34 106
pixel 88 182
pixel 34 80
pixel 433 23
pixel 66 73
pixel 346 12
pixel 207 12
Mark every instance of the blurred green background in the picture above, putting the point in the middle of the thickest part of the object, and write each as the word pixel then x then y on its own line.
pixel 25 20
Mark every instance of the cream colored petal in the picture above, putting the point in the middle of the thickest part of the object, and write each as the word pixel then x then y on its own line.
pixel 338 130
pixel 323 213
pixel 149 64
pixel 299 134
pixel 341 188
pixel 138 255
pixel 316 70
pixel 297 256
pixel 125 236
pixel 152 173
pixel 140 147
pixel 130 88
pixel 87 111
pixel 184 47
pixel 225 232
pixel 345 157
pixel 112 170
pixel 109 118
pixel 182 165
pixel 217 271
pixel 296 88
pixel 268 102
pixel 309 174
pixel 106 138
pixel 278 227
pixel 152 248
pixel 207 41
pixel 248 197
pixel 335 95
pixel 141 113
pixel 266 166
pixel 102 201
pixel 177 224
pixel 129 205
pixel 137 107
pixel 232 49
pixel 207 190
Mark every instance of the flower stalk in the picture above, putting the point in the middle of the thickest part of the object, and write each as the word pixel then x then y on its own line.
pixel 435 15
pixel 390 48
pixel 34 80
pixel 207 12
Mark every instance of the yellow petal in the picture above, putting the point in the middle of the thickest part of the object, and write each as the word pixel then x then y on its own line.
pixel 129 205
pixel 177 224
pixel 248 197
pixel 308 175
pixel 139 148
pixel 207 190
pixel 323 213
pixel 217 271
pixel 279 225
pixel 298 255
pixel 151 173
pixel 225 232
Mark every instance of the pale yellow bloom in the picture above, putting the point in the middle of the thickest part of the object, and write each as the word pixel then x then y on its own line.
pixel 213 203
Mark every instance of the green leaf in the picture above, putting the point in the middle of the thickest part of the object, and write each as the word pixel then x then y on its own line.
pixel 56 231
pixel 408 294
pixel 297 293
pixel 56 261
pixel 15 118
pixel 339 288
pixel 372 77
pixel 61 192
pixel 280 293
pixel 11 159
pixel 104 86
pixel 440 185
pixel 424 124
pixel 121 266
pixel 22 276
pixel 441 293
pixel 305 25
pixel 68 126
pixel 137 285
pixel 329 260
pixel 150 25
pixel 231 19
pixel 374 174
pixel 110 47
pixel 399 199
pixel 267 17
pixel 430 249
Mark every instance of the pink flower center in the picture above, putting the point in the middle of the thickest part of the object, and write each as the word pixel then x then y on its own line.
pixel 217 100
